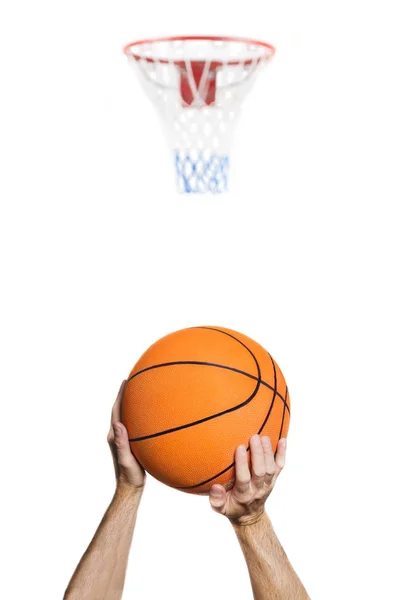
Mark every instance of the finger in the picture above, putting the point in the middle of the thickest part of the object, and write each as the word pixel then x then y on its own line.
pixel 280 457
pixel 242 472
pixel 116 409
pixel 217 497
pixel 121 443
pixel 258 469
pixel 270 467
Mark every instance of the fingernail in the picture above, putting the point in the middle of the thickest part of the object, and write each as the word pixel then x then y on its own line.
pixel 242 449
pixel 283 442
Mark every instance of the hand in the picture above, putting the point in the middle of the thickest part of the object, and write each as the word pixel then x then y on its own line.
pixel 128 472
pixel 244 503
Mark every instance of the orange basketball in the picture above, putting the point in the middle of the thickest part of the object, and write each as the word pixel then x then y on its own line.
pixel 193 397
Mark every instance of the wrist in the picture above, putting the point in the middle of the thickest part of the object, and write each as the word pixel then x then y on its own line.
pixel 250 521
pixel 127 491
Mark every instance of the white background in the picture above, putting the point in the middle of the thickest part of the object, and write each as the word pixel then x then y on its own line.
pixel 100 258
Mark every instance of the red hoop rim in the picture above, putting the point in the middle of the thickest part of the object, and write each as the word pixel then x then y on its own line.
pixel 212 38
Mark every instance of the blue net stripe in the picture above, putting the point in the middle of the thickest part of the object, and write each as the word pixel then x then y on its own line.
pixel 203 173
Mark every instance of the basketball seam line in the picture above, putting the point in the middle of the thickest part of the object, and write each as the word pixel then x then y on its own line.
pixel 186 487
pixel 218 365
pixel 232 409
pixel 283 418
pixel 208 364
pixel 193 423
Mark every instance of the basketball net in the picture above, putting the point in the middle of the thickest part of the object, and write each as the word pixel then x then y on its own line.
pixel 197 85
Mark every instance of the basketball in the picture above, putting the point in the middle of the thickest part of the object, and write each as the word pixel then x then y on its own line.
pixel 193 397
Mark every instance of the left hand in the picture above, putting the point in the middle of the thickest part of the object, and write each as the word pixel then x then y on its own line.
pixel 128 471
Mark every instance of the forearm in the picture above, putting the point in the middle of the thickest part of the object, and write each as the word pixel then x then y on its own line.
pixel 100 575
pixel 271 574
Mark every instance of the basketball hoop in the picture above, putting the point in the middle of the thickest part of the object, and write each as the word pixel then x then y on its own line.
pixel 197 84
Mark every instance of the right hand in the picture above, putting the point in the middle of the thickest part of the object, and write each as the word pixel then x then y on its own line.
pixel 128 472
pixel 244 503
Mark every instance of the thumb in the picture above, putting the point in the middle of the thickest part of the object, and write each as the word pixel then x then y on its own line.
pixel 217 497
pixel 121 442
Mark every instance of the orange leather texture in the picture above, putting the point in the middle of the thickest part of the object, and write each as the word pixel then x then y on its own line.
pixel 193 397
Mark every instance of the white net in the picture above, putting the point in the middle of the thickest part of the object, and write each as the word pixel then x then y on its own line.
pixel 197 85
